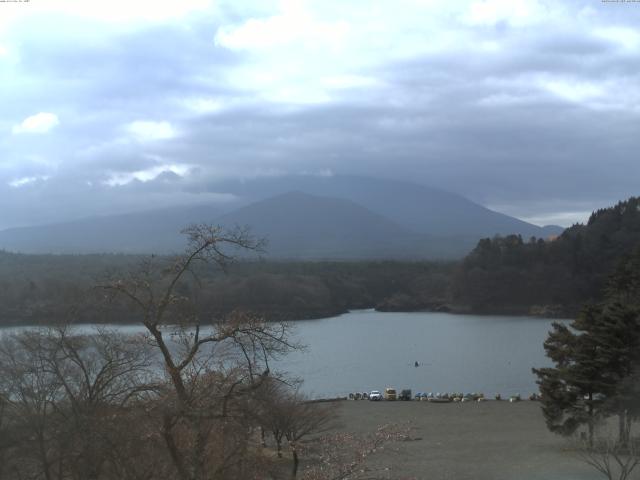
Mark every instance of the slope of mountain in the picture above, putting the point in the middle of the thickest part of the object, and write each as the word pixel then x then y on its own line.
pixel 417 207
pixel 156 231
pixel 298 225
pixel 330 217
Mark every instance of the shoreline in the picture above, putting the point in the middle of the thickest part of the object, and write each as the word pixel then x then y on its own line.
pixel 453 311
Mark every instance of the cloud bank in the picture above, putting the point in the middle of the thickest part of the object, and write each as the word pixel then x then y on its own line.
pixel 529 107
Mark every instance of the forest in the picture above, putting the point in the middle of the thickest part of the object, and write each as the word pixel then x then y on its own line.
pixel 36 289
pixel 511 275
pixel 551 277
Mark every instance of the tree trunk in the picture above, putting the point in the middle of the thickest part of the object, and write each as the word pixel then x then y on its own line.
pixel 174 452
pixel 296 463
pixel 199 450
pixel 44 460
pixel 622 428
pixel 591 420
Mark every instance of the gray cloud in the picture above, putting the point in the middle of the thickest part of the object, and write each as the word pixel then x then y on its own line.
pixel 539 121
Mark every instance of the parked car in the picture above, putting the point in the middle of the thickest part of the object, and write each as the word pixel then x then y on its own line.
pixel 375 396
pixel 390 393
pixel 405 394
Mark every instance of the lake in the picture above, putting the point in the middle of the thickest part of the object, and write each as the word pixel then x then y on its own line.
pixel 366 350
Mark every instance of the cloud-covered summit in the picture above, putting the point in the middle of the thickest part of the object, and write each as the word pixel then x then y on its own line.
pixel 530 107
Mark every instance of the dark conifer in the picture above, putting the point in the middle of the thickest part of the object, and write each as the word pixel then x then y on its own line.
pixel 597 360
pixel 573 392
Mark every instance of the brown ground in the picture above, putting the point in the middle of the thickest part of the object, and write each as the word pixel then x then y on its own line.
pixel 480 441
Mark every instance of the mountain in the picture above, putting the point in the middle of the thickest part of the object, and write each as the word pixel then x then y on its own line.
pixel 417 207
pixel 141 232
pixel 299 225
pixel 296 225
pixel 327 217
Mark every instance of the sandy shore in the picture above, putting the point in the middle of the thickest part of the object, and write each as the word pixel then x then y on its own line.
pixel 480 441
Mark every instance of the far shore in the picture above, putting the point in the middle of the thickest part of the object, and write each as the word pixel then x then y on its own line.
pixel 454 310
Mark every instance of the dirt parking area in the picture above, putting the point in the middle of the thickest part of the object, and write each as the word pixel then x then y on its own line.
pixel 481 441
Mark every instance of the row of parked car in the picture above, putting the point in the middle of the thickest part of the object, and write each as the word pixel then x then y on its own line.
pixel 391 394
pixel 388 394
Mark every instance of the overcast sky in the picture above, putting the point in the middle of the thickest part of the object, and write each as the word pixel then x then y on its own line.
pixel 529 107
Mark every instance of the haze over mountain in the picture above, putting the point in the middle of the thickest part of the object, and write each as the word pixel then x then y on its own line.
pixel 299 225
pixel 420 208
pixel 326 217
pixel 142 232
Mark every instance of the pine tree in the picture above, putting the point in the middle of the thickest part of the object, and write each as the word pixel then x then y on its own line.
pixel 597 360
pixel 573 392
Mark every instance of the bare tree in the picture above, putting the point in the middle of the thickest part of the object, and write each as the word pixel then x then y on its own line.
pixel 4 433
pixel 305 419
pixel 62 393
pixel 30 395
pixel 270 411
pixel 614 459
pixel 283 411
pixel 99 375
pixel 212 370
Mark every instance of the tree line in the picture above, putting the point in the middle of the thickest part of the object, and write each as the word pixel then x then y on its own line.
pixel 553 276
pixel 548 277
pixel 36 289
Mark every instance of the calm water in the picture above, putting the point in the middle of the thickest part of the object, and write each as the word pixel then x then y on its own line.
pixel 366 350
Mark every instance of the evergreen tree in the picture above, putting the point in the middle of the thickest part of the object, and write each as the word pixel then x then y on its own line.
pixel 621 329
pixel 597 360
pixel 573 392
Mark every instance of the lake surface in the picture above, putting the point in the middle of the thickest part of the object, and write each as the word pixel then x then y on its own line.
pixel 366 350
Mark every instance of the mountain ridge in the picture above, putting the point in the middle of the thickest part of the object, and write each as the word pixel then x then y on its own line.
pixel 299 225
pixel 430 223
pixel 422 208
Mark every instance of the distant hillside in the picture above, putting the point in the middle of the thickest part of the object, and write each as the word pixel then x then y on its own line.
pixel 339 218
pixel 419 208
pixel 156 231
pixel 509 273
pixel 298 225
